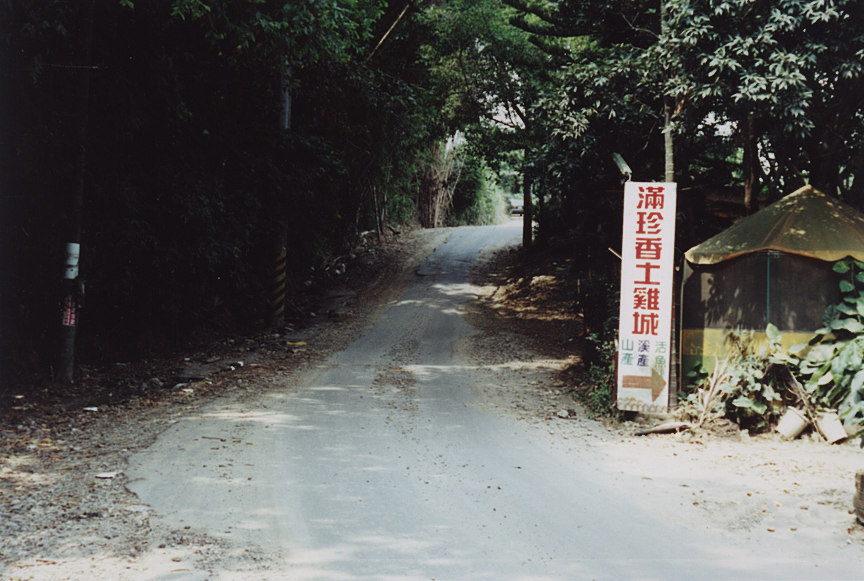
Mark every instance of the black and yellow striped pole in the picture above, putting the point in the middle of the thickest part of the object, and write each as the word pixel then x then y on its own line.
pixel 277 285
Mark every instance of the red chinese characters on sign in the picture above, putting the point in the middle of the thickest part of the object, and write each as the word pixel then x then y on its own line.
pixel 645 318
pixel 648 248
pixel 647 299
pixel 649 222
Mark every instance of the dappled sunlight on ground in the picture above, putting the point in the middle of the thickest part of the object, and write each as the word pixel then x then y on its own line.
pixel 394 460
pixel 23 471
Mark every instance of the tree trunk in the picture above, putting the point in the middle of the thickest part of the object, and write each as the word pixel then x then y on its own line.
pixel 854 195
pixel 541 210
pixel 429 185
pixel 438 184
pixel 668 137
pixel 668 142
pixel 527 205
pixel 285 98
pixel 750 162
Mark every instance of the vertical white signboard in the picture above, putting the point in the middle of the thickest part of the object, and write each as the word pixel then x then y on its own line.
pixel 645 328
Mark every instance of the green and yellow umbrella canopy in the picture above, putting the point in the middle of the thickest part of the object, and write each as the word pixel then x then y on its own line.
pixel 806 222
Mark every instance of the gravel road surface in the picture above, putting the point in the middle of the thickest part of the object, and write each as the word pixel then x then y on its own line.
pixel 402 442
pixel 386 462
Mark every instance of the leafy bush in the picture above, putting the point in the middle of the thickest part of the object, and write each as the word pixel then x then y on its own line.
pixel 832 363
pixel 755 388
pixel 477 200
pixel 743 387
pixel 598 303
pixel 598 390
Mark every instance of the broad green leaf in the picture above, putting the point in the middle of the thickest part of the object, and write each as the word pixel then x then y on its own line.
pixel 857 383
pixel 768 392
pixel 822 352
pixel 798 349
pixel 773 333
pixel 852 411
pixel 829 315
pixel 819 376
pixel 850 325
pixel 742 402
pixel 819 335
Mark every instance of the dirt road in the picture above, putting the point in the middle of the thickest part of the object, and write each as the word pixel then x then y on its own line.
pixel 424 448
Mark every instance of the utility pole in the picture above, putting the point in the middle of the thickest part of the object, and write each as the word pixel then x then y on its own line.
pixel 668 137
pixel 280 250
pixel 71 282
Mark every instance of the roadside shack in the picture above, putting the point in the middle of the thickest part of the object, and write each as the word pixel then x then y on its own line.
pixel 774 266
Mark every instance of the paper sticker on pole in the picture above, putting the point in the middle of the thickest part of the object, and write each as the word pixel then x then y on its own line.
pixel 73 251
pixel 70 312
pixel 647 269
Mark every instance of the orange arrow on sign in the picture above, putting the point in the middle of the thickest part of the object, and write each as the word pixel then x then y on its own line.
pixel 655 382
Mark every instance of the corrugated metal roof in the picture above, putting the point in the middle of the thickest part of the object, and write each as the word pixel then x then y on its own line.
pixel 806 222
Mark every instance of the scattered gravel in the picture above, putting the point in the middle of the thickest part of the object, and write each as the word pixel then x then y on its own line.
pixel 66 512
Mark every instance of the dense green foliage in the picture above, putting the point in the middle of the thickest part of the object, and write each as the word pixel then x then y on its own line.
pixel 759 98
pixel 747 387
pixel 793 66
pixel 598 303
pixel 189 178
pixel 831 367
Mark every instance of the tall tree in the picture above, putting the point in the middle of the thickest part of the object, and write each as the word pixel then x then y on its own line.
pixel 490 76
pixel 189 174
pixel 605 95
pixel 788 76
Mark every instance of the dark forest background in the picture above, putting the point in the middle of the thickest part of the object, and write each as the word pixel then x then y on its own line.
pixel 153 133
